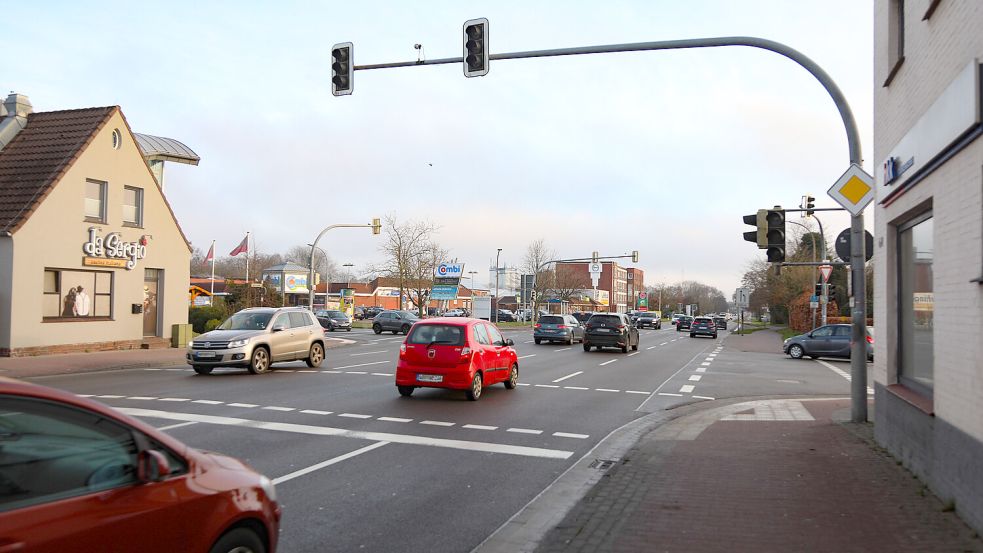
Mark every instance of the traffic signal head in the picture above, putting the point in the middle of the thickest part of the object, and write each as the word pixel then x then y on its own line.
pixel 476 47
pixel 776 234
pixel 831 292
pixel 634 256
pixel 810 205
pixel 759 236
pixel 342 69
pixel 595 257
pixel 376 226
pixel 819 290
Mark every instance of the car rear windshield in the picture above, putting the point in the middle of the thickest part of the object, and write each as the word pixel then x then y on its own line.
pixel 450 335
pixel 606 319
pixel 551 320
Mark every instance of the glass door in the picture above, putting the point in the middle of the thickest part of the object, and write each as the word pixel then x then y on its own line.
pixel 151 289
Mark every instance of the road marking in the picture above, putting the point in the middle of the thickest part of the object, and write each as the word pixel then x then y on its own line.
pixel 250 405
pixel 367 353
pixel 545 386
pixel 173 399
pixel 695 378
pixel 837 370
pixel 362 365
pixel 145 398
pixel 111 397
pixel 569 435
pixel 356 372
pixel 607 362
pixel 705 364
pixel 711 356
pixel 394 419
pixel 528 341
pixel 524 431
pixel 606 390
pixel 771 410
pixel 382 374
pixel 437 423
pixel 355 416
pixel 526 356
pixel 307 371
pixel 331 372
pixel 281 371
pixel 575 388
pixel 704 397
pixel 636 392
pixel 630 354
pixel 207 401
pixel 687 389
pixel 561 349
pixel 479 427
pixel 670 394
pixel 701 369
pixel 524 384
pixel 315 412
pixel 652 347
pixel 275 408
pixel 562 378
pixel 328 463
pixel 663 343
pixel 178 425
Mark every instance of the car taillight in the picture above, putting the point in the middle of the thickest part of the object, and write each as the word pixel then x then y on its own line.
pixel 466 351
pixel 621 327
pixel 561 326
pixel 402 349
pixel 538 325
pixel 870 339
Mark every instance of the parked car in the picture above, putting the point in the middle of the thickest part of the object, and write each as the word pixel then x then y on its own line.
pixel 610 330
pixel 683 323
pixel 370 313
pixel 506 316
pixel 648 319
pixel 332 320
pixel 455 313
pixel 456 353
pixel 358 313
pixel 256 338
pixel 826 341
pixel 720 322
pixel 394 321
pixel 702 326
pixel 558 328
pixel 77 475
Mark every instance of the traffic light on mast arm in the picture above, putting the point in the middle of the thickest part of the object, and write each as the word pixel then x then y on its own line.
pixel 776 234
pixel 476 47
pixel 342 69
pixel 831 293
pixel 810 205
pixel 759 236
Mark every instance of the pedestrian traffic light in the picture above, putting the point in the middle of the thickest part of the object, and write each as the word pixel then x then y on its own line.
pixel 810 205
pixel 776 234
pixel 759 236
pixel 342 70
pixel 634 256
pixel 476 47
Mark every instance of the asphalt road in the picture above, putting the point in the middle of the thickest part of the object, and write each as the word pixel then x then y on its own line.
pixel 358 467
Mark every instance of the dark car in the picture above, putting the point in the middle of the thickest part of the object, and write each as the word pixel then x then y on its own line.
pixel 582 317
pixel 77 475
pixel 683 323
pixel 826 341
pixel 612 330
pixel 359 313
pixel 702 326
pixel 720 322
pixel 648 319
pixel 394 321
pixel 558 328
pixel 505 316
pixel 370 312
pixel 333 320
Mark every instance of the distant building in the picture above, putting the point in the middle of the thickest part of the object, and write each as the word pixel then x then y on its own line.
pixel 613 280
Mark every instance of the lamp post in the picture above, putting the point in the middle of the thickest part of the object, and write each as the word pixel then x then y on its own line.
pixel 348 274
pixel 497 255
pixel 375 225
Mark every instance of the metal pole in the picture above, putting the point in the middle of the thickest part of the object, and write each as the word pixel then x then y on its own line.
pixel 310 274
pixel 497 255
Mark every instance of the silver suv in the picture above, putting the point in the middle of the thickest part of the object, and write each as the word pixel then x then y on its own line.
pixel 257 337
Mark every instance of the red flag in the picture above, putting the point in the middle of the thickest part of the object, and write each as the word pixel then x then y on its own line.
pixel 211 253
pixel 243 247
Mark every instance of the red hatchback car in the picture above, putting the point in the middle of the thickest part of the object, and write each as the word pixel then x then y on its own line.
pixel 456 353
pixel 75 475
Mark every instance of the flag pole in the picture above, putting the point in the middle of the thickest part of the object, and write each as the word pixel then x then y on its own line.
pixel 211 297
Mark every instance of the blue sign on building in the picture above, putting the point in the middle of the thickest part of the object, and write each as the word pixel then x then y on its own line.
pixel 443 292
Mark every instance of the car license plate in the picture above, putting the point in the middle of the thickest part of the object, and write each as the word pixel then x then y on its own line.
pixel 429 378
pixel 604 330
pixel 205 354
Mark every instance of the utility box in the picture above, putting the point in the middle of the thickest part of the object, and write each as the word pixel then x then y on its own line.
pixel 181 334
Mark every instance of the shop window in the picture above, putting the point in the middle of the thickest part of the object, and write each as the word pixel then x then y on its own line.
pixel 77 295
pixel 95 201
pixel 916 304
pixel 132 206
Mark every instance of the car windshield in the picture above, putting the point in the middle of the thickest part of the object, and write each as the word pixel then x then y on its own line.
pixel 247 321
pixel 451 335
pixel 408 315
pixel 337 315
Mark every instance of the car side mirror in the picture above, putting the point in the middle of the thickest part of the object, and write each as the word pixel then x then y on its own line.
pixel 809 335
pixel 152 466
pixel 509 342
pixel 279 327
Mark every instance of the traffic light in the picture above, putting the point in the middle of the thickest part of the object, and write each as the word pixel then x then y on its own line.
pixel 634 256
pixel 342 70
pixel 759 236
pixel 776 234
pixel 595 257
pixel 831 292
pixel 810 204
pixel 376 226
pixel 476 47
pixel 819 290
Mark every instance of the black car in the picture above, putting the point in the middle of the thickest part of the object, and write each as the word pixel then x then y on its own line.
pixel 683 323
pixel 702 326
pixel 369 313
pixel 394 321
pixel 612 330
pixel 332 320
pixel 505 316
pixel 648 319
pixel 720 322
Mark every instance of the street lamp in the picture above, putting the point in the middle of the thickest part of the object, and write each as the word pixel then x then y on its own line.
pixel 375 225
pixel 496 283
pixel 348 274
pixel 472 273
pixel 327 284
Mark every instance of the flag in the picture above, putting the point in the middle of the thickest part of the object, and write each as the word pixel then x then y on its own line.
pixel 243 247
pixel 211 253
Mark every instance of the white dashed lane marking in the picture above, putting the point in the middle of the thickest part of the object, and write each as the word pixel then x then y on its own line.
pixel 394 419
pixel 276 408
pixel 368 353
pixel 437 423
pixel 607 362
pixel 524 431
pixel 249 405
pixel 479 427
pixel 315 412
pixel 526 356
pixel 562 378
pixel 355 416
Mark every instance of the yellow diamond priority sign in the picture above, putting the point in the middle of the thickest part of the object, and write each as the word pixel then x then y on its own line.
pixel 854 190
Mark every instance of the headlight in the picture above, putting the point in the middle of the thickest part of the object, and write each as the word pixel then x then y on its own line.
pixel 268 488
pixel 191 344
pixel 238 343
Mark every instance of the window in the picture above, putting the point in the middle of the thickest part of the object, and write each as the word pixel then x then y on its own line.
pixel 895 38
pixel 117 139
pixel 495 336
pixel 95 201
pixel 448 335
pixel 132 206
pixel 282 321
pixel 77 294
pixel 481 335
pixel 916 304
pixel 843 331
pixel 299 320
pixel 822 332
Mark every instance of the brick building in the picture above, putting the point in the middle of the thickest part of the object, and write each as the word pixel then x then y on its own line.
pixel 928 377
pixel 614 279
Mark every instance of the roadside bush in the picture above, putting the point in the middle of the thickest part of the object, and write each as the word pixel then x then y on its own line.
pixel 200 316
pixel 212 324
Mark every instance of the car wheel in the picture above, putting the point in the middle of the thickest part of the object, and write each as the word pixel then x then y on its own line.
pixel 537 340
pixel 202 369
pixel 475 391
pixel 239 540
pixel 259 363
pixel 795 351
pixel 376 328
pixel 513 379
pixel 691 335
pixel 405 391
pixel 570 342
pixel 315 356
pixel 586 346
pixel 349 329
pixel 634 347
pixel 395 332
pixel 714 335
pixel 814 356
pixel 406 329
pixel 624 348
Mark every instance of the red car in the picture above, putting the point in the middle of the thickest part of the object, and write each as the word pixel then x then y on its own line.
pixel 456 353
pixel 75 475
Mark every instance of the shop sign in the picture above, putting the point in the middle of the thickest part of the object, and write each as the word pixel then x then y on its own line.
pixel 112 251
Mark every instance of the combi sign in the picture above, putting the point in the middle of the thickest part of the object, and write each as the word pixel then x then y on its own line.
pixel 454 270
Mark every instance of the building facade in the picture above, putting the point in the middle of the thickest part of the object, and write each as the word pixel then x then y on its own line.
pixel 613 280
pixel 928 156
pixel 91 255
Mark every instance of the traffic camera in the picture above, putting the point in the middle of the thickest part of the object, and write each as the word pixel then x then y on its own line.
pixel 476 47
pixel 342 70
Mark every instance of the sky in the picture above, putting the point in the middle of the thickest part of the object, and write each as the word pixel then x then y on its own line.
pixel 661 152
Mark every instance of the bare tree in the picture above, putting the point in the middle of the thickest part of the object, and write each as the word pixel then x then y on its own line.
pixel 566 282
pixel 534 262
pixel 323 264
pixel 411 256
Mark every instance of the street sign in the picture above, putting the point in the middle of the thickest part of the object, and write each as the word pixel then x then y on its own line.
pixel 842 245
pixel 813 304
pixel 443 292
pixel 826 270
pixel 742 297
pixel 449 270
pixel 854 190
pixel 595 268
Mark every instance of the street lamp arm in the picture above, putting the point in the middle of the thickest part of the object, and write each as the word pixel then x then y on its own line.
pixel 310 277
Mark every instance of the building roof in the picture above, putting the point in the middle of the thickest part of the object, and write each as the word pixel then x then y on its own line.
pixel 39 155
pixel 165 149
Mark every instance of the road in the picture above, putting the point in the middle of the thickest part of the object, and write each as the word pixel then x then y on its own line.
pixel 358 467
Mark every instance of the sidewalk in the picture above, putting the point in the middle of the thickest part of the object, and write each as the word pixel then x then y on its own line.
pixel 759 341
pixel 768 475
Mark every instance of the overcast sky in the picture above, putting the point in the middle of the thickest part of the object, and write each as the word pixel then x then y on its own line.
pixel 662 152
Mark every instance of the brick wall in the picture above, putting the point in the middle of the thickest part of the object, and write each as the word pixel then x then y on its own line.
pixel 148 343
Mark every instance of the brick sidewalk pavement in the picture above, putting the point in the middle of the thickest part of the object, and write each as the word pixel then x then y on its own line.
pixel 759 484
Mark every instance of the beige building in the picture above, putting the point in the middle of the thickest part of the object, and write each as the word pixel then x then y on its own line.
pixel 91 255
pixel 928 298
